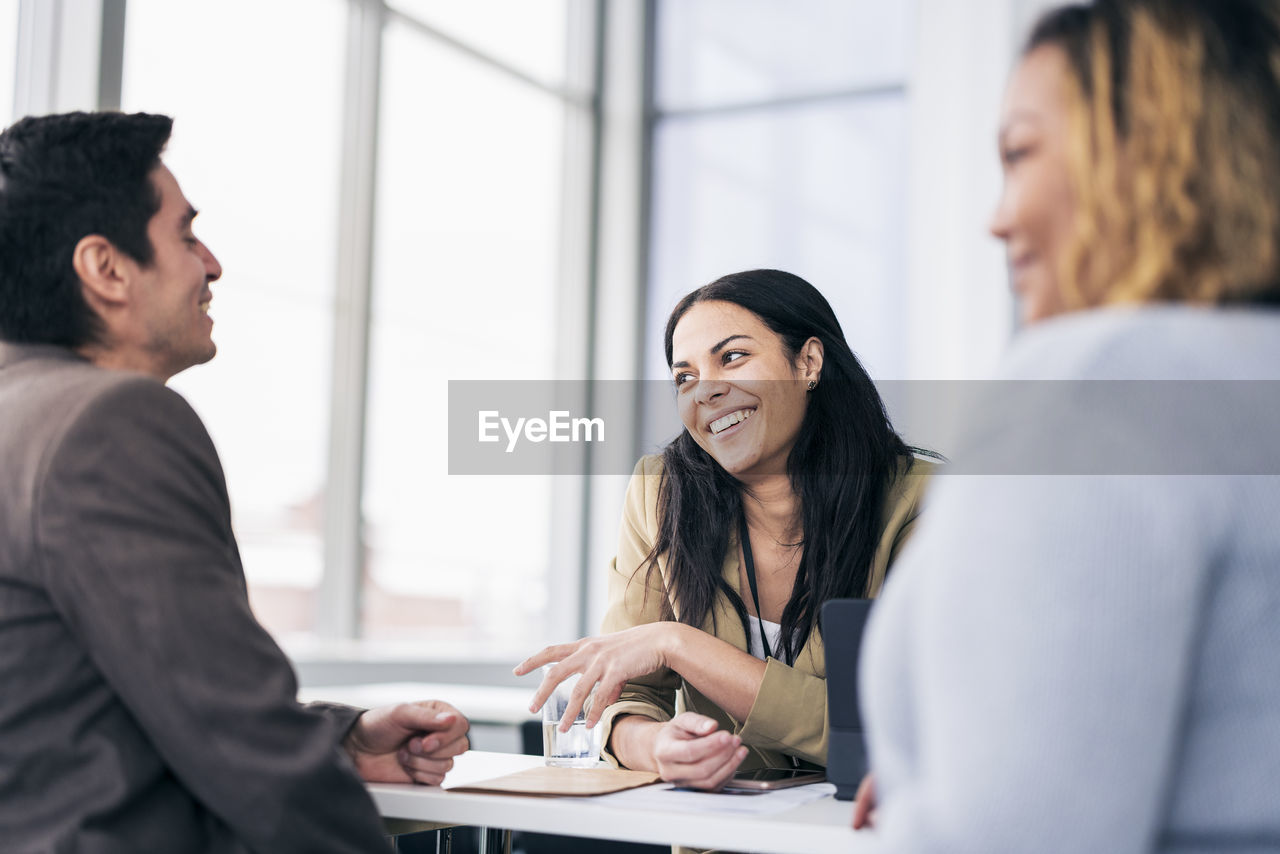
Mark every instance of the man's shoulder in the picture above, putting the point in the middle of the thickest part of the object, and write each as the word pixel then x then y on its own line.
pixel 132 409
pixel 65 392
pixel 38 376
pixel 53 400
pixel 119 439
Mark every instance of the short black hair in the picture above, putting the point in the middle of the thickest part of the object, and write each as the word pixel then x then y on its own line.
pixel 64 177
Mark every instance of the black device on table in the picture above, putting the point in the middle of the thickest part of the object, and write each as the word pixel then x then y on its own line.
pixel 843 621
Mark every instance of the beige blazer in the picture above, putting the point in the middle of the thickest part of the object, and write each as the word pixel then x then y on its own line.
pixel 789 715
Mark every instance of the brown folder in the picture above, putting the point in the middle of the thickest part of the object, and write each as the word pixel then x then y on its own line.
pixel 575 782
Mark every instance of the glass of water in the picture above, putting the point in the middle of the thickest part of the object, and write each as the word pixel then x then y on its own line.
pixel 577 748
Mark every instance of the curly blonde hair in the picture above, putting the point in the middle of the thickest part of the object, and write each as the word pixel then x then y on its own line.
pixel 1174 150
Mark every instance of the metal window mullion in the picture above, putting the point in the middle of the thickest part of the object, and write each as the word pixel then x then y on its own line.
pixel 566 93
pixel 576 281
pixel 339 596
pixel 111 55
pixel 36 69
pixel 887 89
pixel 620 260
pixel 582 248
pixel 70 56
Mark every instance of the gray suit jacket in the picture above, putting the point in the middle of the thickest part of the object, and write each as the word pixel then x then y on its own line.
pixel 142 706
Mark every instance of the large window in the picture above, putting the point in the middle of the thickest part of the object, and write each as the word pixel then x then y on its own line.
pixel 468 166
pixel 466 287
pixel 254 88
pixel 780 141
pixel 527 36
pixel 8 54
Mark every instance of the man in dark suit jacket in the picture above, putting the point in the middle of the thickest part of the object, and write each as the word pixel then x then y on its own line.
pixel 142 706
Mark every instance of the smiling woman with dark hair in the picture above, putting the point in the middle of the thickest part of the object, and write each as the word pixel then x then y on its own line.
pixel 787 487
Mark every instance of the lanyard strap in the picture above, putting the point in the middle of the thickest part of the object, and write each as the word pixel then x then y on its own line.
pixel 747 558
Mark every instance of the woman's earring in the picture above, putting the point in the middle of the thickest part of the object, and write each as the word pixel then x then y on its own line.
pixel 813 384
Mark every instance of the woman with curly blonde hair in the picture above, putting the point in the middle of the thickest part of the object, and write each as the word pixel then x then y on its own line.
pixel 1080 650
pixel 1164 148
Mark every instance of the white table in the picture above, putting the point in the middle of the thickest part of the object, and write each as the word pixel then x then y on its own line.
pixel 819 826
pixel 480 703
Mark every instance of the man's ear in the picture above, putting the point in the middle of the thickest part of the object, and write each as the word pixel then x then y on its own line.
pixel 103 270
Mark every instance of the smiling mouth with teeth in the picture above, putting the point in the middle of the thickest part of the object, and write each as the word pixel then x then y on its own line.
pixel 724 423
pixel 204 307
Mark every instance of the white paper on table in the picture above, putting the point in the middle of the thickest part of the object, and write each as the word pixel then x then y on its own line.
pixel 665 797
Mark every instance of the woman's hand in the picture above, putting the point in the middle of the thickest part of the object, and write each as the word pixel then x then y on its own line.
pixel 864 804
pixel 610 660
pixel 689 750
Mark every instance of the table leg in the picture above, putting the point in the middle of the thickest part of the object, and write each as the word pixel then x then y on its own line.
pixel 494 841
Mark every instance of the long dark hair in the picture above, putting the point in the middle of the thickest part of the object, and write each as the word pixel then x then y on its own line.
pixel 844 458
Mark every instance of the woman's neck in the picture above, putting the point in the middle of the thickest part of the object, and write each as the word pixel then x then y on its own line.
pixel 772 507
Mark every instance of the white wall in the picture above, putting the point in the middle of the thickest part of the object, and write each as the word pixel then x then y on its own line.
pixel 959 306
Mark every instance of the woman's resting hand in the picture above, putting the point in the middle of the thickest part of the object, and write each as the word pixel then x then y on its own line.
pixel 689 750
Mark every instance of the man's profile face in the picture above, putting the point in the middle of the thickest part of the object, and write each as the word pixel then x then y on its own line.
pixel 173 294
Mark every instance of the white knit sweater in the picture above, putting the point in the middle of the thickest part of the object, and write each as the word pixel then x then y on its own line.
pixel 1082 662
